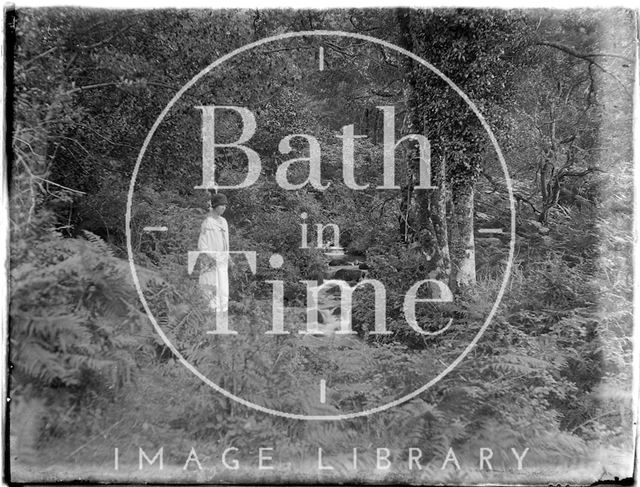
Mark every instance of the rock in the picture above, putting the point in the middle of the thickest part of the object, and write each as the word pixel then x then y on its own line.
pixel 356 257
pixel 339 261
pixel 349 274
pixel 364 266
pixel 322 316
pixel 331 251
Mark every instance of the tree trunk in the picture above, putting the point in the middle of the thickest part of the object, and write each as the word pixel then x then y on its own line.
pixel 438 217
pixel 430 214
pixel 432 219
pixel 464 253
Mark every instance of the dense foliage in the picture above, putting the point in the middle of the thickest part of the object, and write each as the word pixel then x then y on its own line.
pixel 551 373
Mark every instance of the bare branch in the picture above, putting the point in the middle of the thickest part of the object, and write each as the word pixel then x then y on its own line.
pixel 290 49
pixel 76 142
pixel 385 58
pixel 88 127
pixel 83 48
pixel 517 196
pixel 104 41
pixel 60 185
pixel 584 172
pixel 340 50
pixel 358 28
pixel 33 59
pixel 588 57
pixel 90 87
pixel 25 143
pixel 581 55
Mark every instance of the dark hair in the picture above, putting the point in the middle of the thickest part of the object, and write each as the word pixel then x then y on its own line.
pixel 218 199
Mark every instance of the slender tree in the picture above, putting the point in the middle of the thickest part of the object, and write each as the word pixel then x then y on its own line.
pixel 473 49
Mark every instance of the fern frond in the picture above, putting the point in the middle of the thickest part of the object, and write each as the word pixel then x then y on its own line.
pixel 97 243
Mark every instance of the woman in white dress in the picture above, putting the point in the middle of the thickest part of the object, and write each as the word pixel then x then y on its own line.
pixel 214 237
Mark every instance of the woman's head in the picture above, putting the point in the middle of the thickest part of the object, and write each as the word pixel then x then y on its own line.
pixel 218 203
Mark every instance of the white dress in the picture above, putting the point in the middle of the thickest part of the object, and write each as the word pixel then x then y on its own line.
pixel 214 275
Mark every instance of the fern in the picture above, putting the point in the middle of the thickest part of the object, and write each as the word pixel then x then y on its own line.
pixel 98 244
pixel 70 302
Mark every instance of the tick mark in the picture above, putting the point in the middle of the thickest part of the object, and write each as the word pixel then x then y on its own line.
pixel 323 391
pixel 155 229
pixel 276 261
pixel 490 230
pixel 321 58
